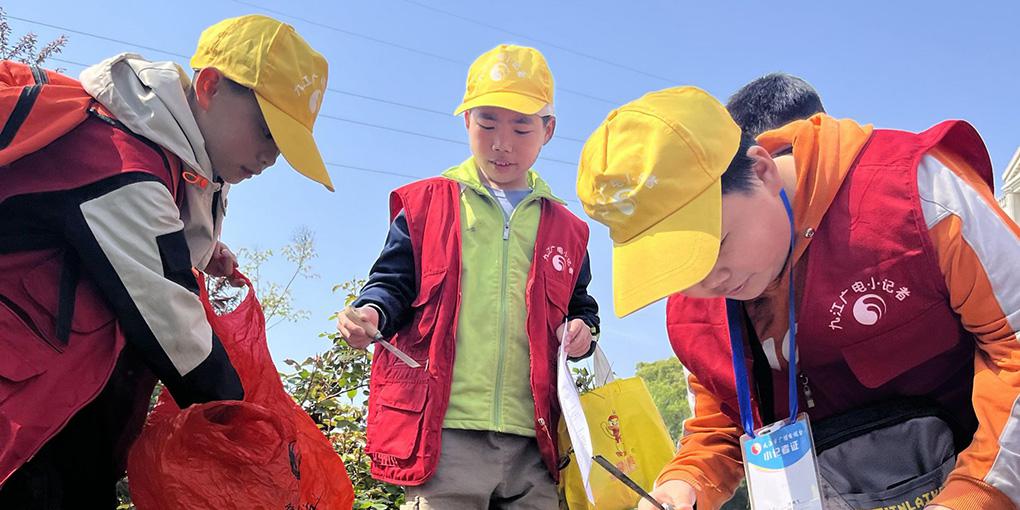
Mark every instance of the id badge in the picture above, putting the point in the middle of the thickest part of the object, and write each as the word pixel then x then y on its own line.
pixel 780 465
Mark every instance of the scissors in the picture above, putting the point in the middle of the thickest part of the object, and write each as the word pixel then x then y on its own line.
pixel 378 338
pixel 608 466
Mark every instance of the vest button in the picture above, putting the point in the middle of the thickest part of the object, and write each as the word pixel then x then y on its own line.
pixel 809 233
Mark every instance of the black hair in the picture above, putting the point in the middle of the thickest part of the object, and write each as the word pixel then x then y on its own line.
pixel 739 176
pixel 235 87
pixel 772 101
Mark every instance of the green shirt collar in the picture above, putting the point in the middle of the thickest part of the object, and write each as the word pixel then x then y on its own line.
pixel 467 174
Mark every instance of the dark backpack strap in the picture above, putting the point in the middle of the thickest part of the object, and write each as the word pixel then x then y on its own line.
pixel 843 427
pixel 69 276
pixel 26 100
pixel 40 76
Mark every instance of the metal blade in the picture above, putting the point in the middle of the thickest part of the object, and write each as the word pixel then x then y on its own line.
pixel 377 337
pixel 608 466
pixel 397 352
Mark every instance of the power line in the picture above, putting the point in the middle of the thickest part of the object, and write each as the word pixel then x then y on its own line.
pixel 353 167
pixel 380 126
pixel 421 108
pixel 405 48
pixel 338 91
pixel 365 97
pixel 97 36
pixel 424 135
pixel 374 170
pixel 543 42
pixel 65 61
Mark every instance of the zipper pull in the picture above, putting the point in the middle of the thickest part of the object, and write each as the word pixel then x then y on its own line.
pixel 506 231
pixel 807 390
pixel 545 428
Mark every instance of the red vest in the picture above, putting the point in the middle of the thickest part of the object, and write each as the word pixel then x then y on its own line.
pixel 873 314
pixel 407 405
pixel 44 381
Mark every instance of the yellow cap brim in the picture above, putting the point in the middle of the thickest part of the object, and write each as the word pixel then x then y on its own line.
pixel 510 100
pixel 669 257
pixel 296 143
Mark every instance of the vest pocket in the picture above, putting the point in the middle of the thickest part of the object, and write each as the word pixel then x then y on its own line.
pixel 425 304
pixel 882 358
pixel 63 297
pixel 395 420
pixel 559 298
pixel 15 336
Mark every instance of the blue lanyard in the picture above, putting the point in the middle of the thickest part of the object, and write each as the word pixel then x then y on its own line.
pixel 735 316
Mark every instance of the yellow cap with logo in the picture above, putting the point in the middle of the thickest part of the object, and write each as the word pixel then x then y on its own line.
pixel 287 75
pixel 509 76
pixel 651 173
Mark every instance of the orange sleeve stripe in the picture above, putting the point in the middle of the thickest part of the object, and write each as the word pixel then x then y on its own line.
pixel 979 473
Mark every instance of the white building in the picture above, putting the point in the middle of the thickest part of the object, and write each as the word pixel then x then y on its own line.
pixel 1010 197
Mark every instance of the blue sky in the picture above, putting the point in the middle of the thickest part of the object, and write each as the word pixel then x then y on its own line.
pixel 902 65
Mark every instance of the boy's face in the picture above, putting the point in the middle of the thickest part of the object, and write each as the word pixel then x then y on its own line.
pixel 237 138
pixel 755 237
pixel 505 143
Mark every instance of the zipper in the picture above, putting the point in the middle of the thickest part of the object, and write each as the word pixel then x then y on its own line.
pixel 545 428
pixel 497 407
pixel 806 388
pixel 26 321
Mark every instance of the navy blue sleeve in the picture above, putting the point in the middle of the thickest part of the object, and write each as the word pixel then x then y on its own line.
pixel 392 284
pixel 582 305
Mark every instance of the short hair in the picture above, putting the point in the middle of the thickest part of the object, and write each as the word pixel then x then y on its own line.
pixel 773 101
pixel 739 176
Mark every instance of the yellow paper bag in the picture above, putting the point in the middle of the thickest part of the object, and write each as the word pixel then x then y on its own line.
pixel 627 429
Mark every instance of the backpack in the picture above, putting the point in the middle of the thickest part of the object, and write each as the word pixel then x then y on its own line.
pixel 893 454
pixel 37 107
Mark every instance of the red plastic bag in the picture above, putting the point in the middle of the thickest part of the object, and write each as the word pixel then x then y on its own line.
pixel 264 452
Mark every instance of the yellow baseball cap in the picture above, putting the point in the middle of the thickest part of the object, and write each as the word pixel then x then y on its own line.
pixel 287 75
pixel 651 173
pixel 508 76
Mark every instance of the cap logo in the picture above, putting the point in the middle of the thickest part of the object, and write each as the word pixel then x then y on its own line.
pixel 306 81
pixel 506 67
pixel 315 101
pixel 618 196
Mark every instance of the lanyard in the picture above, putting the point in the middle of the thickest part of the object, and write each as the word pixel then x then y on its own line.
pixel 735 316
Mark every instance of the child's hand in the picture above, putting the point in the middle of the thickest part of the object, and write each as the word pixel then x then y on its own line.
pixel 678 493
pixel 578 338
pixel 354 325
pixel 223 264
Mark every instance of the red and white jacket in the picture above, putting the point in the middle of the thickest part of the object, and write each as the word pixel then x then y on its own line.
pixel 99 232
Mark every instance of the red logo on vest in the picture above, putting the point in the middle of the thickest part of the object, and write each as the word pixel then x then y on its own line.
pixel 871 302
pixel 559 259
